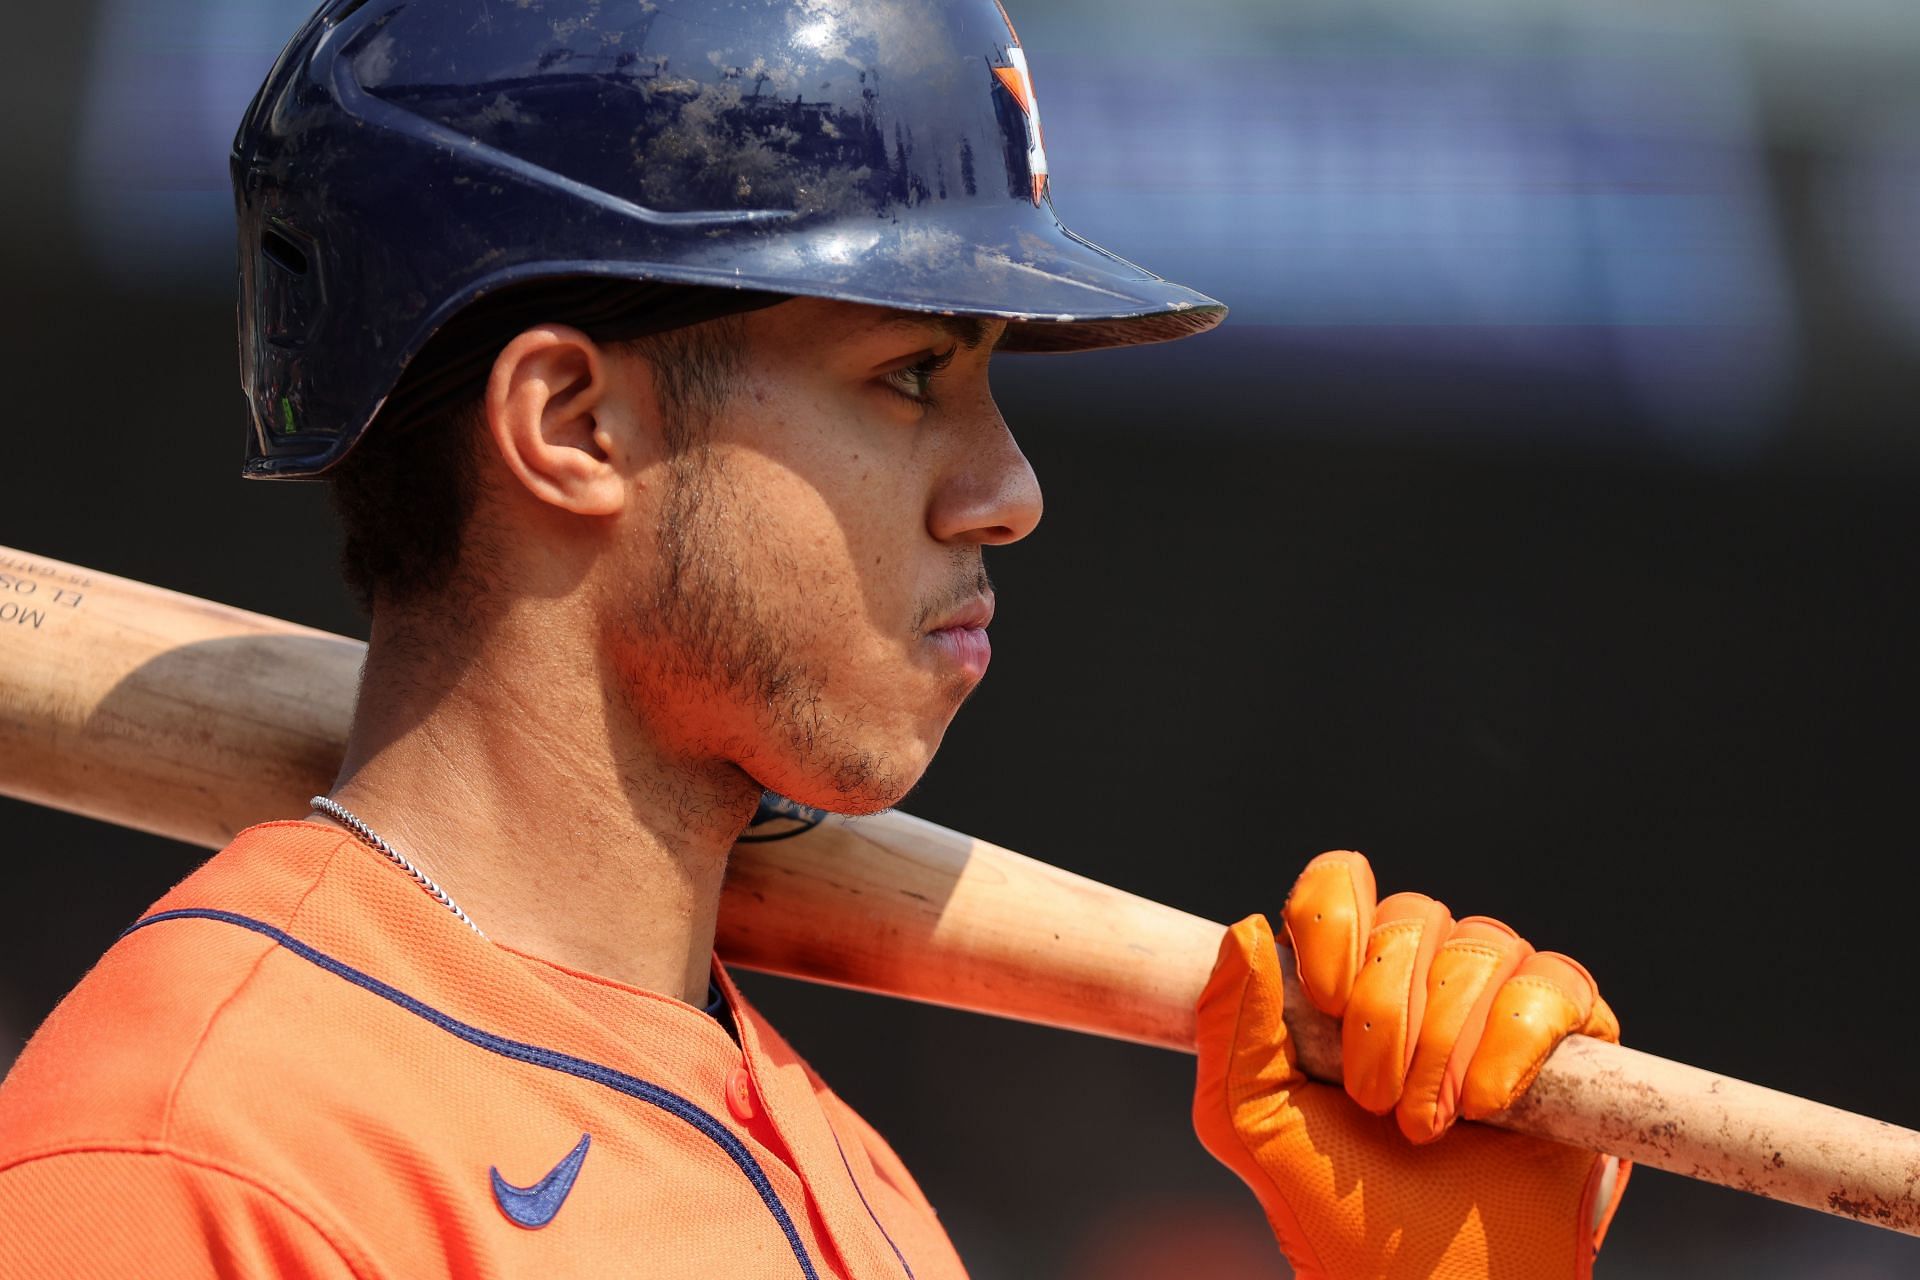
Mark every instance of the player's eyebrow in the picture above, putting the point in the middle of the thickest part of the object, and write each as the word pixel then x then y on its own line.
pixel 968 331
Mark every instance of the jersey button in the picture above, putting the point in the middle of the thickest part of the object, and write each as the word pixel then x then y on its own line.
pixel 740 1094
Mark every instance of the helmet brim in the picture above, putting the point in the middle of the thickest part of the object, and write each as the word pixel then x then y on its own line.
pixel 1059 291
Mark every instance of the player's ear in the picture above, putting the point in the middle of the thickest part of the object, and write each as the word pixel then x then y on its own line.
pixel 552 414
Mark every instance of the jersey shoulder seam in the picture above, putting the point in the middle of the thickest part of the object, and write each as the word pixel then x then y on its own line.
pixel 360 1267
pixel 246 979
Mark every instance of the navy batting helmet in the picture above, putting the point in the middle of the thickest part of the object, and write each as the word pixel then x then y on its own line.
pixel 406 158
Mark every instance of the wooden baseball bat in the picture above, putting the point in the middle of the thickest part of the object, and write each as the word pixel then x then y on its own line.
pixel 158 711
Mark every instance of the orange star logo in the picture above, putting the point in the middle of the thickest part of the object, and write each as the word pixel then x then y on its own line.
pixel 1017 80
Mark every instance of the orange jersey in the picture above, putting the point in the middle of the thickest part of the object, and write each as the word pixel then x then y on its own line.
pixel 300 1064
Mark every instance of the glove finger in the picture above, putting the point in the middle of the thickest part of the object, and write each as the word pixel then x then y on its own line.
pixel 1467 974
pixel 1601 1023
pixel 1240 1024
pixel 1548 997
pixel 1246 1062
pixel 1328 916
pixel 1389 998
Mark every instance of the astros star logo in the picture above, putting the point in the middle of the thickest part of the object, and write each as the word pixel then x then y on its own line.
pixel 1017 80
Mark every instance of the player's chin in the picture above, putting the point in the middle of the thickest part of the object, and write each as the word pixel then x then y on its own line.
pixel 857 787
pixel 878 772
pixel 874 756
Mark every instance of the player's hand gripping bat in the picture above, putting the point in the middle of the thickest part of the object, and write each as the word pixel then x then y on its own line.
pixel 158 711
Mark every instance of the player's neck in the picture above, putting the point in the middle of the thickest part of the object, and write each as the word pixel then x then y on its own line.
pixel 549 817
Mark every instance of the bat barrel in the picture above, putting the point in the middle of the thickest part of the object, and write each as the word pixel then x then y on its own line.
pixel 1668 1115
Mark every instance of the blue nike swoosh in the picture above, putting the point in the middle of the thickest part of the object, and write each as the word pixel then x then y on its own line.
pixel 533 1207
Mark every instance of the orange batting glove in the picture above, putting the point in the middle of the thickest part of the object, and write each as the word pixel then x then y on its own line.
pixel 1439 1020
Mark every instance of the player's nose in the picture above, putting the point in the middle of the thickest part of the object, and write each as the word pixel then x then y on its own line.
pixel 990 494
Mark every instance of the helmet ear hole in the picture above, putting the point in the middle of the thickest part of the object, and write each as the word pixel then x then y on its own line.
pixel 282 252
pixel 287 291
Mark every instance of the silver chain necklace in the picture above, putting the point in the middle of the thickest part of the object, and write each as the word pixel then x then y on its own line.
pixel 371 838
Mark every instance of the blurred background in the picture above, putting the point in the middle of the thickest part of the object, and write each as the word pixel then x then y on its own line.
pixel 1543 522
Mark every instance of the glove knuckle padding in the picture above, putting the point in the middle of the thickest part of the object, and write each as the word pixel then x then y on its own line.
pixel 1548 998
pixel 1328 916
pixel 1529 1017
pixel 1572 976
pixel 1389 998
pixel 1466 975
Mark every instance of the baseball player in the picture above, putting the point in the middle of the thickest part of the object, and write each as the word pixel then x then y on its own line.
pixel 645 347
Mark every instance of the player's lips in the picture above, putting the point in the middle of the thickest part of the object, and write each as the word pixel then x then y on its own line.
pixel 961 636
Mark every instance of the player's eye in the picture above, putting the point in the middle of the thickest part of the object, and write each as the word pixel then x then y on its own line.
pixel 915 381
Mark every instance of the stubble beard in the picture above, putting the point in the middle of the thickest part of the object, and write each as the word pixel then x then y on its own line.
pixel 704 635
